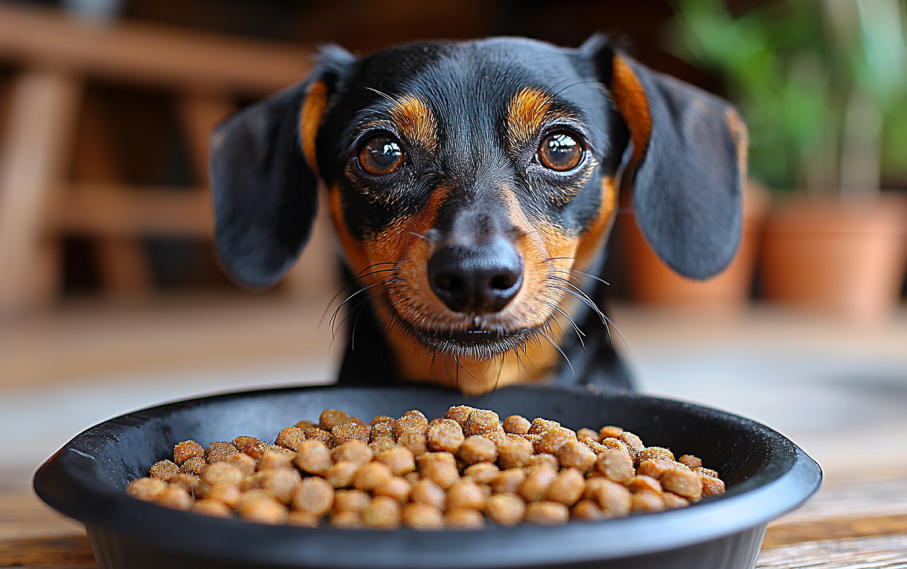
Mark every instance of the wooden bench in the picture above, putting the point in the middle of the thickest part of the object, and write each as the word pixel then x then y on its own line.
pixel 53 56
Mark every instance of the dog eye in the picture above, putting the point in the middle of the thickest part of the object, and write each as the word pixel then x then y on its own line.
pixel 380 155
pixel 560 152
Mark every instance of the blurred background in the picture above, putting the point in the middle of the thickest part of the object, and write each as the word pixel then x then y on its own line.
pixel 111 298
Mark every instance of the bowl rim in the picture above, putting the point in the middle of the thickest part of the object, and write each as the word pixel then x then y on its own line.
pixel 70 482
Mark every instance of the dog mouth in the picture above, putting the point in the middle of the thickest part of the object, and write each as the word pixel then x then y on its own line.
pixel 480 342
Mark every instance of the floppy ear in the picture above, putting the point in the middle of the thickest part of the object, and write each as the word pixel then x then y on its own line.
pixel 264 180
pixel 687 167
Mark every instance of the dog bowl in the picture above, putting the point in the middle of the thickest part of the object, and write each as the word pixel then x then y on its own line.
pixel 766 475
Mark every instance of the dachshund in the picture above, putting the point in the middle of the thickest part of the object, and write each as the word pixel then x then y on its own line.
pixel 472 187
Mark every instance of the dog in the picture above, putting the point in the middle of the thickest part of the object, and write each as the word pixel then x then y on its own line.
pixel 473 186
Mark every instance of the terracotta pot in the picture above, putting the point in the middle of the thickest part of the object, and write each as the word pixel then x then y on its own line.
pixel 650 280
pixel 847 259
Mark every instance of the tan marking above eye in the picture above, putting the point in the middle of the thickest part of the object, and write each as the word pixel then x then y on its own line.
pixel 526 115
pixel 415 122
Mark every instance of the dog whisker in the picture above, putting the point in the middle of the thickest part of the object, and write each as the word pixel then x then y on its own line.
pixel 558 348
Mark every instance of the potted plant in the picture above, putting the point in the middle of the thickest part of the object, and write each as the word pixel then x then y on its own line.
pixel 823 85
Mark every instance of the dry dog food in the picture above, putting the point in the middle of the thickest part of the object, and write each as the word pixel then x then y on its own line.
pixel 455 472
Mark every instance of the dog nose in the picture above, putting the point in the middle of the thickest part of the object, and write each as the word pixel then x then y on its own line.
pixel 476 278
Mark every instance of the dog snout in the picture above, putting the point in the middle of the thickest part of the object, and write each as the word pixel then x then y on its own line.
pixel 477 278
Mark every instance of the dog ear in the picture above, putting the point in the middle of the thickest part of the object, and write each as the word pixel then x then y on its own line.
pixel 264 178
pixel 688 163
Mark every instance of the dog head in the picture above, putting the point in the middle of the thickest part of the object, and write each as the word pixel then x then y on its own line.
pixel 472 184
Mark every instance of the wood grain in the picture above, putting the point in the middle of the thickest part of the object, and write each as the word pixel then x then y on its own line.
pixel 867 553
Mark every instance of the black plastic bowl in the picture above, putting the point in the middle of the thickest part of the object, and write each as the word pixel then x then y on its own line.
pixel 766 474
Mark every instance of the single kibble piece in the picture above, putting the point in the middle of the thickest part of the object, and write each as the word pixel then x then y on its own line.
pixel 514 453
pixel 464 518
pixel 305 425
pixel 706 472
pixel 634 444
pixel 356 452
pixel 381 419
pixel 251 446
pixel 242 461
pixel 587 510
pixel 382 513
pixel 314 496
pixel 654 452
pixel 353 430
pixel 331 418
pixel 439 467
pixel 384 430
pixel 319 435
pixel 711 486
pixel 517 425
pixel 538 479
pixel 345 520
pixel 146 489
pixel 290 438
pixel 459 413
pixel 253 482
pixel 313 457
pixel 547 513
pixel 276 457
pixel 281 482
pixel 643 483
pixel 445 435
pixel 690 461
pixel 187 482
pixel 541 426
pixel 584 434
pixel 615 444
pixel 350 501
pixel 414 440
pixel 568 487
pixel 673 501
pixel 482 472
pixel 164 470
pixel 410 423
pixel 223 473
pixel 596 448
pixel 421 516
pixel 218 451
pixel 212 508
pixel 656 468
pixel 381 445
pixel 683 483
pixel 397 488
pixel 647 501
pixel 370 476
pixel 616 465
pixel 302 519
pixel 261 509
pixel 188 449
pixel 174 496
pixel 505 509
pixel 340 474
pixel 543 459
pixel 509 481
pixel 610 431
pixel 554 439
pixel 428 493
pixel 477 449
pixel 481 422
pixel 228 494
pixel 399 459
pixel 195 465
pixel 465 493
pixel 614 500
pixel 577 455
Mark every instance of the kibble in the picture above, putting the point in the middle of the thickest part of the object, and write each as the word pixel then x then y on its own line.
pixel 448 473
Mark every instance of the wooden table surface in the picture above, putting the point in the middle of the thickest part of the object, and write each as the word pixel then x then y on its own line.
pixel 849 524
